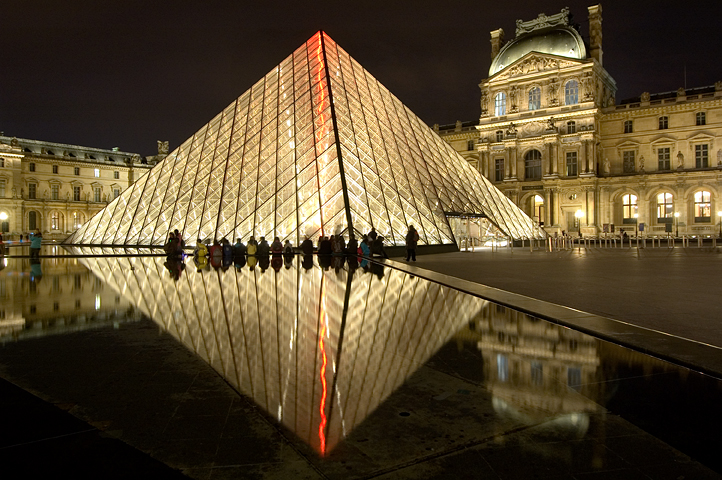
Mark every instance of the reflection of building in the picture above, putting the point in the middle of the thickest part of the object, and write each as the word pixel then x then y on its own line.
pixel 59 295
pixel 316 147
pixel 552 139
pixel 55 187
pixel 319 350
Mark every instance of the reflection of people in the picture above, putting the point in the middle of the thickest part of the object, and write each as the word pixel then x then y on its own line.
pixel 201 250
pixel 307 262
pixel 35 244
pixel 277 246
pixel 264 261
pixel 36 270
pixel 412 239
pixel 2 246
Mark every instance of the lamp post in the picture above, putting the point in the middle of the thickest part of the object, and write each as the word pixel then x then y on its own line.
pixel 676 224
pixel 636 225
pixel 579 214
pixel 719 214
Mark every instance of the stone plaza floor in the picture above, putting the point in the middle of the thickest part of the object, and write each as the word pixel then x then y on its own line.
pixel 422 382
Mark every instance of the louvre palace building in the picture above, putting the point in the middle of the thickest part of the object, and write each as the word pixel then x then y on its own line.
pixel 553 138
pixel 55 187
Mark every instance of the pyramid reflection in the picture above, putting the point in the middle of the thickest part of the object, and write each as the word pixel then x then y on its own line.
pixel 318 349
pixel 316 147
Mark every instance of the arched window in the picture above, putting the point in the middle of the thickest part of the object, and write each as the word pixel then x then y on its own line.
pixel 571 126
pixel 665 208
pixel 630 210
pixel 500 104
pixel 702 207
pixel 571 92
pixel 32 220
pixel 535 98
pixel 532 165
pixel 78 220
pixel 56 221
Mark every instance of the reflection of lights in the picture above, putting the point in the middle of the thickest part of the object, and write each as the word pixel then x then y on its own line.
pixel 97 302
pixel 324 361
pixel 3 216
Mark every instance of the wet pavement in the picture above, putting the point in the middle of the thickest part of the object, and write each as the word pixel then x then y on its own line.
pixel 300 369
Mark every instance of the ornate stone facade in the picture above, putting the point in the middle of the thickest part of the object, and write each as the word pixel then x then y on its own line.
pixel 54 187
pixel 551 137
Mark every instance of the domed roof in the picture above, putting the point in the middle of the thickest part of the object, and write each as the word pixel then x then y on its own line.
pixel 563 41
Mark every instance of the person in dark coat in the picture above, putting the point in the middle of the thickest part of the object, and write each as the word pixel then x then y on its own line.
pixel 307 246
pixel 263 247
pixel 352 246
pixel 412 239
pixel 324 247
pixel 377 247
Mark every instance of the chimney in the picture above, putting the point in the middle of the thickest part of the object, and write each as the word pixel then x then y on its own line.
pixel 595 32
pixel 497 40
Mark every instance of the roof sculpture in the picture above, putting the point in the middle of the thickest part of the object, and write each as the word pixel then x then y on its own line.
pixel 316 146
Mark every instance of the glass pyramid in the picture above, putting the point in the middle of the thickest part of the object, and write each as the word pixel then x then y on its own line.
pixel 319 350
pixel 316 146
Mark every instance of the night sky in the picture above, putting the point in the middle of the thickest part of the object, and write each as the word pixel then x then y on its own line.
pixel 125 74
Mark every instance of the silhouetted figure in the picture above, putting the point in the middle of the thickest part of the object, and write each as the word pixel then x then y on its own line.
pixel 277 246
pixel 307 246
pixel 277 262
pixel 324 247
pixel 264 249
pixel 412 239
pixel 227 250
pixel 264 261
pixel 377 248
pixel 372 234
pixel 239 261
pixel 324 261
pixel 352 245
pixel 239 249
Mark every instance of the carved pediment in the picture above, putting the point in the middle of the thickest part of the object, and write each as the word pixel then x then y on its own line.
pixel 533 63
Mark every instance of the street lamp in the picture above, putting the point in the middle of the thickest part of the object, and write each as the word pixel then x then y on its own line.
pixel 719 214
pixel 4 216
pixel 636 225
pixel 676 224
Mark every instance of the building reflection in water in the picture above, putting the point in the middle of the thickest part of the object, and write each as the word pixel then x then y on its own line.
pixel 317 347
pixel 53 296
pixel 319 344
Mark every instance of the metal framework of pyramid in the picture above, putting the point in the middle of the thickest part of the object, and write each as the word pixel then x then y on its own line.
pixel 316 146
pixel 277 337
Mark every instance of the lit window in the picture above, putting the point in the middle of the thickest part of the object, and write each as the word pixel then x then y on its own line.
pixel 499 135
pixel 572 164
pixel 532 165
pixel 77 170
pixel 499 170
pixel 702 207
pixel 663 123
pixel 571 126
pixel 500 104
pixel 54 192
pixel 32 191
pixel 2 162
pixel 96 194
pixel 77 219
pixel 628 126
pixel 76 194
pixel 31 167
pixel 701 118
pixel 665 207
pixel 55 221
pixel 116 175
pixel 663 158
pixel 628 161
pixel 701 156
pixel 629 208
pixel 535 98
pixel 571 92
pixel 96 172
pixel 2 188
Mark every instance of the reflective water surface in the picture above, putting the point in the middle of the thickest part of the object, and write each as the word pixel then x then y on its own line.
pixel 338 352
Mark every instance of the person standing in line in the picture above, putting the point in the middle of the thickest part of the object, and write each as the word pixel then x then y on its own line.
pixel 412 239
pixel 277 246
pixel 252 247
pixel 264 249
pixel 372 234
pixel 352 245
pixel 377 247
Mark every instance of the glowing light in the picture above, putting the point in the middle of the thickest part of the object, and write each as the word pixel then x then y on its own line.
pixel 324 361
pixel 3 216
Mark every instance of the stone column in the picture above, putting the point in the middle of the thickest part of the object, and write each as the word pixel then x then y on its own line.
pixel 547 207
pixel 555 158
pixel 583 157
pixel 513 159
pixel 555 201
